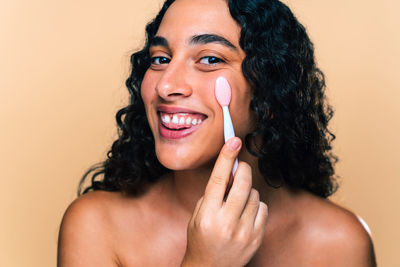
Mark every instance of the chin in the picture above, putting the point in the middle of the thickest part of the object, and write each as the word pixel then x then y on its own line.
pixel 176 164
pixel 182 159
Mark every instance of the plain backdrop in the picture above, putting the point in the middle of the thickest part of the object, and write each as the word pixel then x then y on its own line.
pixel 63 65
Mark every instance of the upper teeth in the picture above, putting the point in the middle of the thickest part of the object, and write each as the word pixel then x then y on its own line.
pixel 180 120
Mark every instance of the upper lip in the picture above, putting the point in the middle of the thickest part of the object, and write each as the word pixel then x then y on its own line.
pixel 174 109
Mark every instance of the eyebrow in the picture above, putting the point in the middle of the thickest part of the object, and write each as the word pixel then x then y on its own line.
pixel 159 41
pixel 195 40
pixel 211 38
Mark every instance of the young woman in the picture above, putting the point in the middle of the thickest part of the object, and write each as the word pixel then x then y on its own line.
pixel 164 199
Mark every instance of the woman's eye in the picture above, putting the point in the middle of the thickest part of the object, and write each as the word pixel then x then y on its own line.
pixel 210 60
pixel 159 60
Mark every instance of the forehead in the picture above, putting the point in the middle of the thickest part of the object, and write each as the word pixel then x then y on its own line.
pixel 185 18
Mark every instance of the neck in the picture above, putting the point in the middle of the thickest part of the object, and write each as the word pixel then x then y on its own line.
pixel 188 186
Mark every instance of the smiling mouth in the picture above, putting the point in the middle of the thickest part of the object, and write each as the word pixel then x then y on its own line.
pixel 179 125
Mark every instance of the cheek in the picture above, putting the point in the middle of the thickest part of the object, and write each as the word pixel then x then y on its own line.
pixel 207 94
pixel 148 94
pixel 146 89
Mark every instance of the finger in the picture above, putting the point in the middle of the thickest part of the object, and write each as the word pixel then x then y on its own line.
pixel 239 194
pixel 216 187
pixel 195 212
pixel 196 209
pixel 261 218
pixel 250 211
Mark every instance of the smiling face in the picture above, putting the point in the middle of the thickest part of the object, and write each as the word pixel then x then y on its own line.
pixel 197 42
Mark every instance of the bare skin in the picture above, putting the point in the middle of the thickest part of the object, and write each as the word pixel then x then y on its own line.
pixel 109 229
pixel 184 220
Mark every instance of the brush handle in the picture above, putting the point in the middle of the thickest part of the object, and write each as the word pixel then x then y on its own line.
pixel 229 132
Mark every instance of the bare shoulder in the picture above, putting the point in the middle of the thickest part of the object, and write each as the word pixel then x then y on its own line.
pixel 334 236
pixel 88 229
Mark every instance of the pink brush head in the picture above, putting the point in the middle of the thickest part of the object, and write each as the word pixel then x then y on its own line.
pixel 222 91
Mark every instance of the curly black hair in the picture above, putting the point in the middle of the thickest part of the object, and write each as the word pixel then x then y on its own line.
pixel 293 143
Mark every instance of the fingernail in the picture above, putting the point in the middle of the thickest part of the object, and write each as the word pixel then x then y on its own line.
pixel 234 144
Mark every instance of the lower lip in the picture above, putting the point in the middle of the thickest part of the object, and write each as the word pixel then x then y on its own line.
pixel 176 134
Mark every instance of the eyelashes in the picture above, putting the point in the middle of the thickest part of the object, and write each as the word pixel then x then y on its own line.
pixel 211 60
pixel 159 60
pixel 206 61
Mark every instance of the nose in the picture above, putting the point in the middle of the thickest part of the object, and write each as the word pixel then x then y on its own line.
pixel 173 83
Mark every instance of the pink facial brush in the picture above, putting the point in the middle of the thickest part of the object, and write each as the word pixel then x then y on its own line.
pixel 223 95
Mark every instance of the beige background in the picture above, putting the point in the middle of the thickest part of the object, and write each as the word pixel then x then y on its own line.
pixel 62 71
